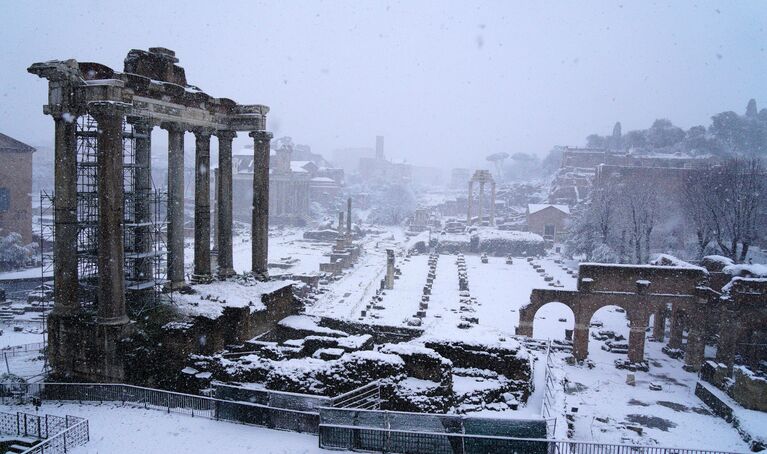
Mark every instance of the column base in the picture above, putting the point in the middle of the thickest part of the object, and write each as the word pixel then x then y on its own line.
pixel 262 276
pixel 178 286
pixel 224 273
pixel 121 320
pixel 201 279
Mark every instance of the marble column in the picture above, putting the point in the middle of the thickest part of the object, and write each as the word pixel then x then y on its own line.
pixel 224 188
pixel 492 203
pixel 202 270
pixel 480 201
pixel 260 220
pixel 111 253
pixel 175 239
pixel 142 189
pixel 65 276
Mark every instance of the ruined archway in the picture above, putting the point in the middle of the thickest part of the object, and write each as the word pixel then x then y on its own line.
pixel 553 320
pixel 609 332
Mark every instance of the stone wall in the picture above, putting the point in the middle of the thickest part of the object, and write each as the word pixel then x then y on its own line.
pixel 663 279
pixel 16 177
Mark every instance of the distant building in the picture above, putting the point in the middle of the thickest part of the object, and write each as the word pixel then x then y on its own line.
pixel 15 187
pixel 548 221
pixel 459 178
pixel 378 168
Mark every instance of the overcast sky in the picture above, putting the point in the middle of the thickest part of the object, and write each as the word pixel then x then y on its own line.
pixel 447 83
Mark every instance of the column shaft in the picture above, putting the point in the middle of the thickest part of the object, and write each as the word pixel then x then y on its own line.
pixel 65 276
pixel 175 205
pixel 636 342
pixel 480 201
pixel 260 221
pixel 492 204
pixel 659 325
pixel 142 192
pixel 468 203
pixel 224 188
pixel 202 271
pixel 110 258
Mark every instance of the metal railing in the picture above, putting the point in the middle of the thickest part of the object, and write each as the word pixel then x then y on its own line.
pixel 366 397
pixel 363 438
pixel 58 434
pixel 24 349
pixel 549 395
pixel 169 401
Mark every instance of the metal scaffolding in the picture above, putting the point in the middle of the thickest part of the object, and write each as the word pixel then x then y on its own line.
pixel 145 267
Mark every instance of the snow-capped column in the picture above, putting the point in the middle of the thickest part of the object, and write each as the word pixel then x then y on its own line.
pixel 202 269
pixel 111 253
pixel 65 279
pixel 224 191
pixel 260 222
pixel 175 239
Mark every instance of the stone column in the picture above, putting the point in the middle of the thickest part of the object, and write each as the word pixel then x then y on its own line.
pixel 142 189
pixel 389 280
pixel 468 202
pixel 677 329
pixel 580 341
pixel 260 223
pixel 349 217
pixel 637 340
pixel 111 254
pixel 202 272
pixel 695 351
pixel 480 200
pixel 340 223
pixel 659 324
pixel 65 276
pixel 729 331
pixel 492 203
pixel 224 188
pixel 175 239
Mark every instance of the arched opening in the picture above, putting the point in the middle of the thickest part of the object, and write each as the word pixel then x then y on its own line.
pixel 554 321
pixel 608 334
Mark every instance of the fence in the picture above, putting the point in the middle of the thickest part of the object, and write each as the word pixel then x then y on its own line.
pixel 205 407
pixel 549 395
pixel 367 397
pixel 416 433
pixel 58 434
pixel 24 349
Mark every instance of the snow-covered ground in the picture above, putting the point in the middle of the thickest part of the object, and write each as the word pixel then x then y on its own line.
pixel 121 429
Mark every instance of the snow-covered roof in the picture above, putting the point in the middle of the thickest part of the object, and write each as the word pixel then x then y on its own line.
pixel 536 207
pixel 323 180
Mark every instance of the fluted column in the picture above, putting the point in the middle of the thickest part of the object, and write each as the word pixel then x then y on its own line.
pixel 65 276
pixel 224 188
pixel 202 270
pixel 110 257
pixel 142 189
pixel 260 222
pixel 176 278
pixel 468 202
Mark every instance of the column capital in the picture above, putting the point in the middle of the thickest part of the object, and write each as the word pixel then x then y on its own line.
pixel 107 109
pixel 173 127
pixel 225 135
pixel 261 135
pixel 203 133
pixel 139 122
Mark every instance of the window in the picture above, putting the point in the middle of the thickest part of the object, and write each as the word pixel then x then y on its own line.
pixel 548 230
pixel 5 200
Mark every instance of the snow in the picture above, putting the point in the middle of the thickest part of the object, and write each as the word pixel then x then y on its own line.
pixel 123 429
pixel 755 270
pixel 307 323
pixel 211 299
pixel 28 273
pixel 536 207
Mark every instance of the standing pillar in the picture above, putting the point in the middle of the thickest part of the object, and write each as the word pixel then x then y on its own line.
pixel 175 205
pixel 481 199
pixel 677 329
pixel 729 331
pixel 636 340
pixel 389 279
pixel 696 348
pixel 224 188
pixel 340 223
pixel 659 324
pixel 260 223
pixel 202 272
pixel 110 254
pixel 468 202
pixel 580 341
pixel 349 217
pixel 492 203
pixel 65 276
pixel 142 190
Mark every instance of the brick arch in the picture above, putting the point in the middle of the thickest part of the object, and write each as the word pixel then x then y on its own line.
pixel 638 309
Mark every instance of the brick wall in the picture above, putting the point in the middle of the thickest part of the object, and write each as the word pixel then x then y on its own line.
pixel 16 177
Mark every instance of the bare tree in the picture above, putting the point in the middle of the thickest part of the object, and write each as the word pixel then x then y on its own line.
pixel 735 197
pixel 695 204
pixel 639 206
